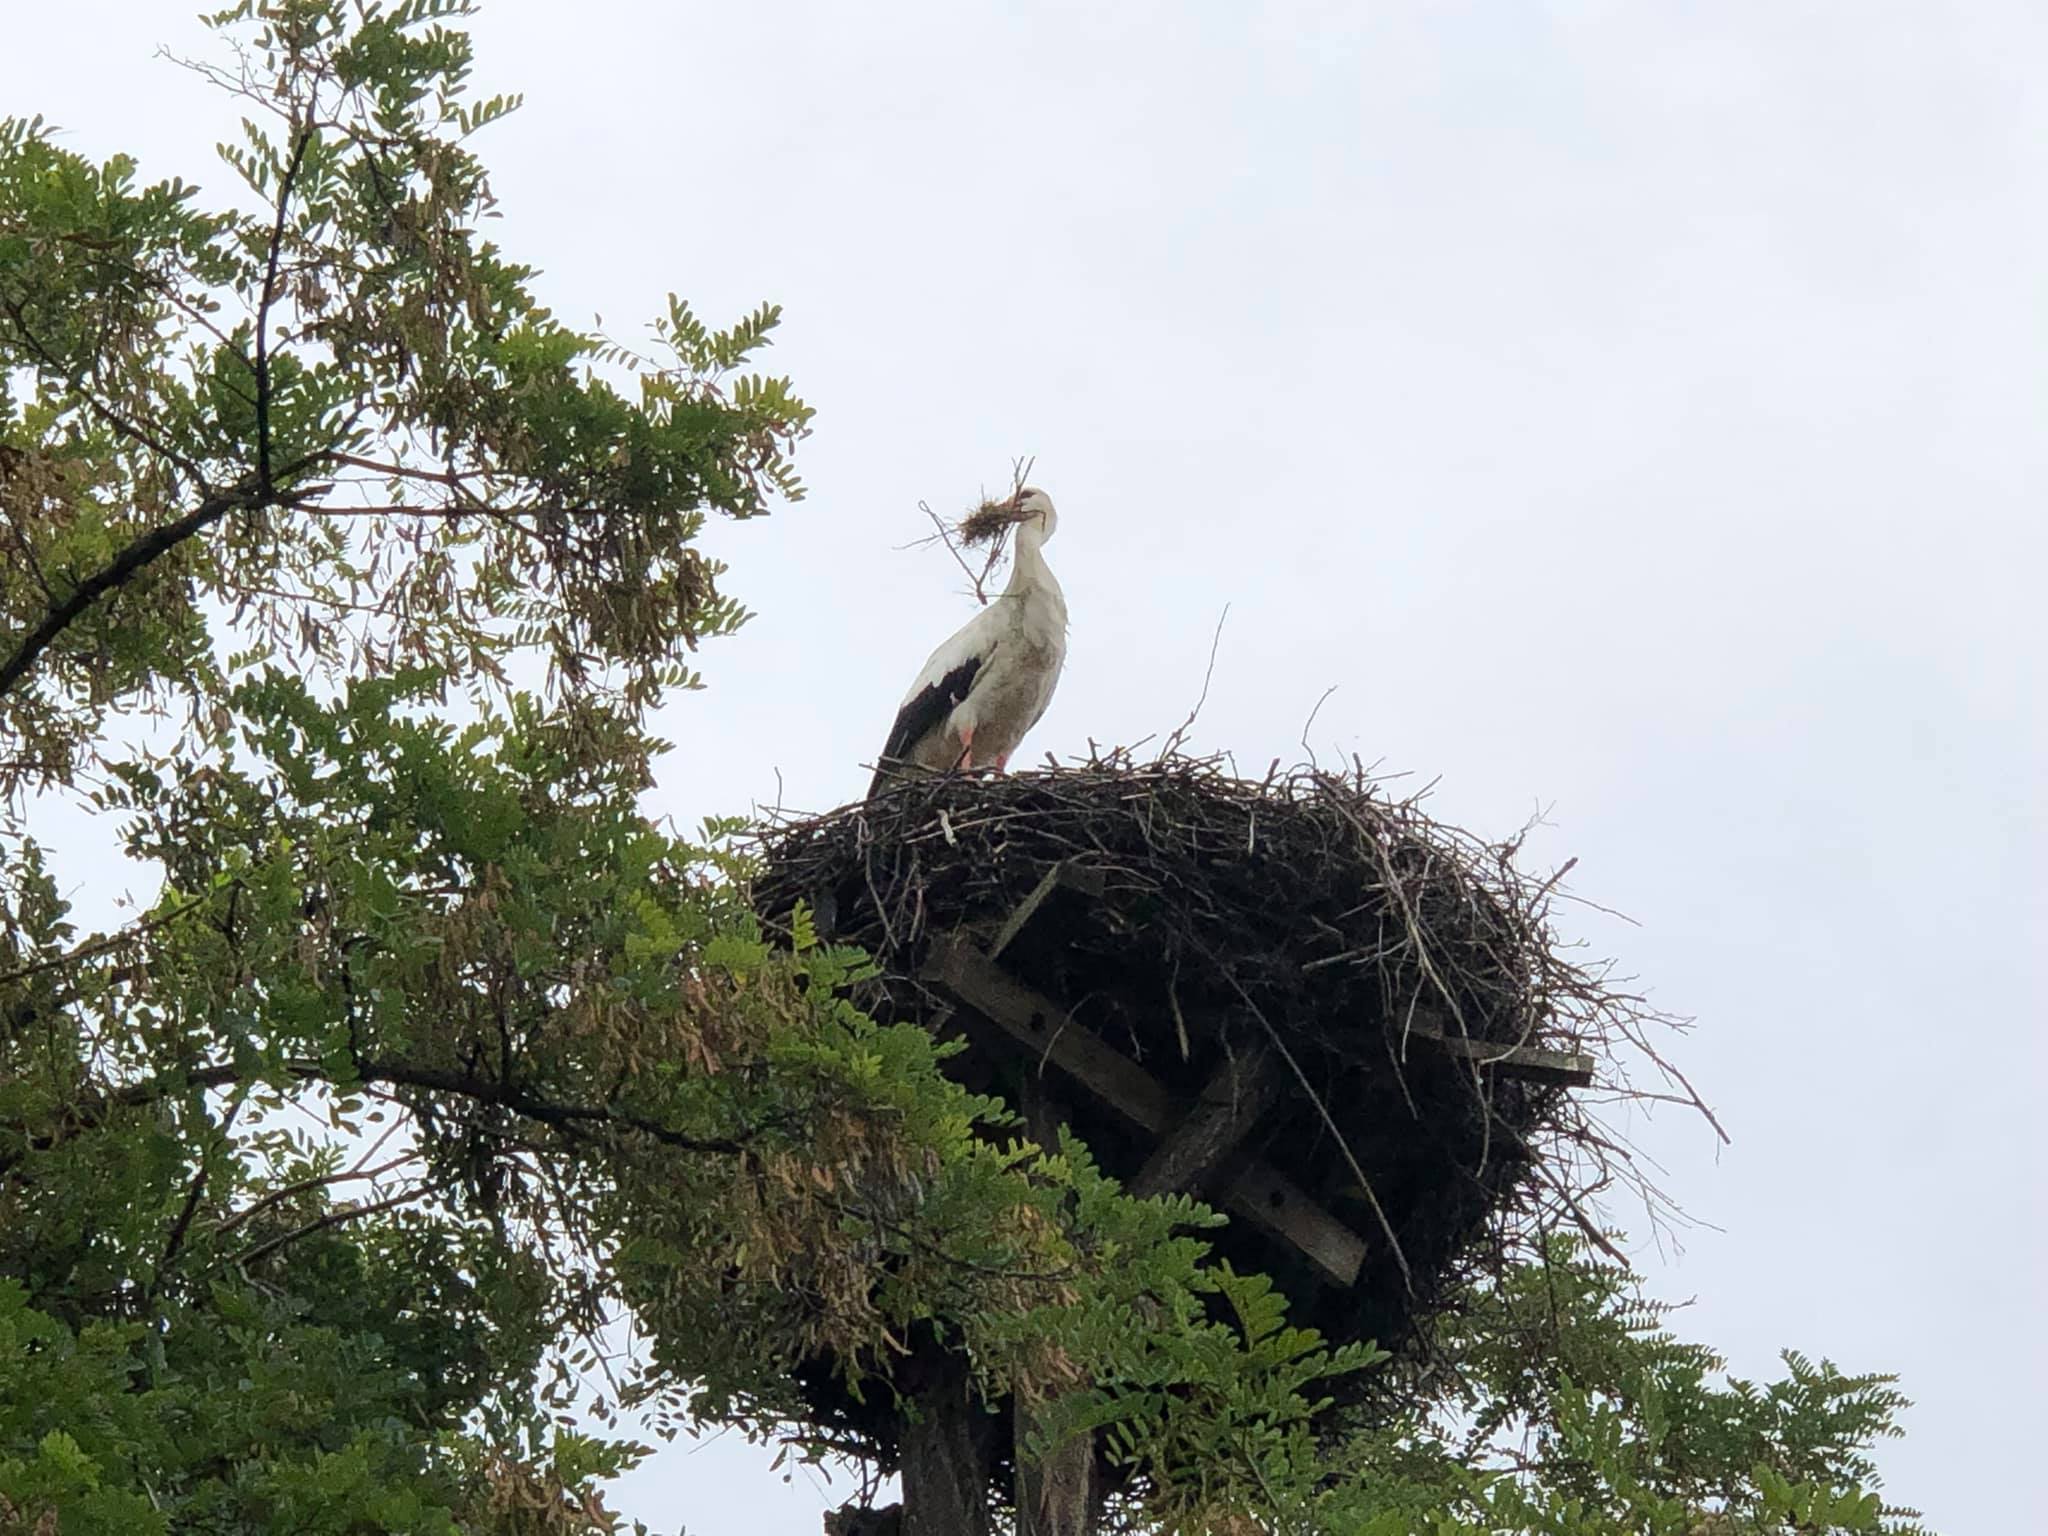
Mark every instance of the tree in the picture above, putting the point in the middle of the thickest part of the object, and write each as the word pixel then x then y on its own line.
pixel 337 579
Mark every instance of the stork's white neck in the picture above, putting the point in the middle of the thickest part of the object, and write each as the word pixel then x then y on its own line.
pixel 1028 568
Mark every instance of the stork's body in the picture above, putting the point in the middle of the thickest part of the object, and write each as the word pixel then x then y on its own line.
pixel 987 686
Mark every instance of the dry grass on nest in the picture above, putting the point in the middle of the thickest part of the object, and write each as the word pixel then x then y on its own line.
pixel 1315 910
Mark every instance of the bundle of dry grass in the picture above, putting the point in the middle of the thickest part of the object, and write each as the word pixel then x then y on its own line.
pixel 1383 956
pixel 981 532
pixel 988 522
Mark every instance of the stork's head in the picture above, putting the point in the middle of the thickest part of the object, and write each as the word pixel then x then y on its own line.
pixel 1034 510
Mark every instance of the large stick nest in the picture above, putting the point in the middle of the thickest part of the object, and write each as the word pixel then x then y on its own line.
pixel 1312 911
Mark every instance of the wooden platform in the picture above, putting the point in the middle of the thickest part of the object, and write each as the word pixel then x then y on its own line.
pixel 1192 1140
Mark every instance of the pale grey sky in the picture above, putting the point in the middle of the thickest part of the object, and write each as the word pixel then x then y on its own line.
pixel 1633 409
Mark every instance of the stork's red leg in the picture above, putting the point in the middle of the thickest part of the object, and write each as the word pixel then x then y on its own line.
pixel 966 748
pixel 1003 763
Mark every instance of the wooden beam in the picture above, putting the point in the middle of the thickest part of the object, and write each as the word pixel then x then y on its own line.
pixel 1267 1199
pixel 1233 1102
pixel 1065 876
pixel 1259 1193
pixel 1568 1068
pixel 1043 1028
pixel 1027 909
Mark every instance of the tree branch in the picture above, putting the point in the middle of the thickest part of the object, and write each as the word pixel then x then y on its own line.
pixel 456 478
pixel 333 1218
pixel 191 1207
pixel 562 1116
pixel 118 572
pixel 103 943
pixel 263 306
pixel 304 1186
pixel 98 407
pixel 467 1085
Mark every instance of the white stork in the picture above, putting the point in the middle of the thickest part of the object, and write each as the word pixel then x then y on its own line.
pixel 989 684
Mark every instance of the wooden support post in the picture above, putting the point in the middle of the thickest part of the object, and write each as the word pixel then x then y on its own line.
pixel 1258 1193
pixel 944 1461
pixel 1055 1493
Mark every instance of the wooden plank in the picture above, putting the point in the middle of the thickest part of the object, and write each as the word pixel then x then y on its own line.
pixel 1042 1027
pixel 1027 909
pixel 1233 1102
pixel 1065 876
pixel 1259 1193
pixel 1526 1061
pixel 1083 879
pixel 1280 1208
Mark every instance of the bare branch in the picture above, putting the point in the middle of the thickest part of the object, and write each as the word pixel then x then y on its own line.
pixel 449 477
pixel 1309 724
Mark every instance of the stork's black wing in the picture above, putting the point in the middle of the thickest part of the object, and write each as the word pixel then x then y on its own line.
pixel 922 713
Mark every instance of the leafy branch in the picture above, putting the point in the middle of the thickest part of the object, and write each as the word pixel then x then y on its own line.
pixel 132 561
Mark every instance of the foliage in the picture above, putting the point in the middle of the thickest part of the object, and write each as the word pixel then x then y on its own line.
pixel 337 412
pixel 321 1179
pixel 1571 1409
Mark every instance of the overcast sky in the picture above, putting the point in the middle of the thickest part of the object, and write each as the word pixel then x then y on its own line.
pixel 1633 410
